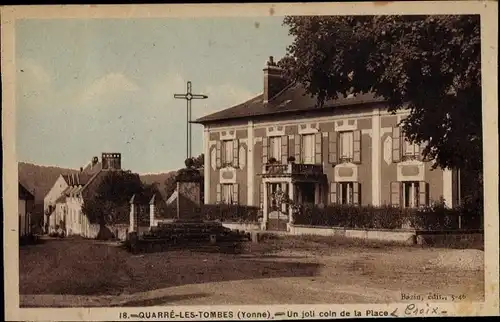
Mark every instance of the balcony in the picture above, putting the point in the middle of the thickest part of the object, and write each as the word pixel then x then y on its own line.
pixel 294 170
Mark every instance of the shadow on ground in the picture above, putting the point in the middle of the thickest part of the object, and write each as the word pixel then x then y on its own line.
pixel 84 267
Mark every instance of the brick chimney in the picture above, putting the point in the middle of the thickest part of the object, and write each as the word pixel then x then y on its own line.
pixel 111 161
pixel 274 81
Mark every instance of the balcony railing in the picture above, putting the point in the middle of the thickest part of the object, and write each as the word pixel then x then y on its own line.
pixel 278 169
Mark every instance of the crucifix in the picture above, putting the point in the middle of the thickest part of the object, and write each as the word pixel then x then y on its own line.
pixel 188 97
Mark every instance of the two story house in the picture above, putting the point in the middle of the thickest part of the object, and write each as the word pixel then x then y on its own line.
pixel 349 151
pixel 67 208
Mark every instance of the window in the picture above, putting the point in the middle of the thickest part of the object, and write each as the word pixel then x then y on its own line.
pixel 346 142
pixel 346 193
pixel 275 148
pixel 227 152
pixel 411 193
pixel 308 151
pixel 227 194
pixel 410 151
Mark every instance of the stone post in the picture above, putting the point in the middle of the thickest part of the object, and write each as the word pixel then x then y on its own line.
pixel 152 212
pixel 189 183
pixel 265 210
pixel 133 215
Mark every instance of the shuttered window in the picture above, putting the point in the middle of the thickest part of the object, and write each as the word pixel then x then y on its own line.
pixel 349 193
pixel 227 152
pixel 308 149
pixel 346 146
pixel 275 148
pixel 228 194
pixel 415 194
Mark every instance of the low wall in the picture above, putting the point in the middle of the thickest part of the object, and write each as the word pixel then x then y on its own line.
pixel 454 239
pixel 405 236
pixel 242 226
pixel 119 231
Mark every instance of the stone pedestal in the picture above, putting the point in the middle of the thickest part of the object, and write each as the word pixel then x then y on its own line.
pixel 189 192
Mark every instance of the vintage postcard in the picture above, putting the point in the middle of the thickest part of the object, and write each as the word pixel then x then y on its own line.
pixel 250 161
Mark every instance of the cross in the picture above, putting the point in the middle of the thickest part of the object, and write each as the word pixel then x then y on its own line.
pixel 188 97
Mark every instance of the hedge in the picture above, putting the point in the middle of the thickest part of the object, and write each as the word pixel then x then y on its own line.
pixel 221 212
pixel 436 217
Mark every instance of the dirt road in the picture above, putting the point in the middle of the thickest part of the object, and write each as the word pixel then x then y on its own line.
pixel 107 276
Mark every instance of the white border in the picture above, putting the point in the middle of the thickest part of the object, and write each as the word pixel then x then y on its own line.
pixel 488 11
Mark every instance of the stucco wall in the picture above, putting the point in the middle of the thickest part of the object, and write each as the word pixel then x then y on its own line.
pixel 361 116
pixel 54 192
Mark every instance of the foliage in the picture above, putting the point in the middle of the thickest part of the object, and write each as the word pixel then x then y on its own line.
pixel 109 204
pixel 435 217
pixel 170 182
pixel 230 213
pixel 189 162
pixel 429 64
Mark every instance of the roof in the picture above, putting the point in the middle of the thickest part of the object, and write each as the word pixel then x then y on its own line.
pixel 24 193
pixel 293 98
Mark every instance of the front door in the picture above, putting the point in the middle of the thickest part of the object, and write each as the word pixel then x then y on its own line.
pixel 277 210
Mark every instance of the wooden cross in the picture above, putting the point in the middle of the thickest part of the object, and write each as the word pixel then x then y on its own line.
pixel 188 97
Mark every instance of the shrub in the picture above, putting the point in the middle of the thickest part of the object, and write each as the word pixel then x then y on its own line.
pixel 435 217
pixel 233 213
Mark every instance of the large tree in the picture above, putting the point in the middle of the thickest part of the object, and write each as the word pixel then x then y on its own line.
pixel 428 64
pixel 110 202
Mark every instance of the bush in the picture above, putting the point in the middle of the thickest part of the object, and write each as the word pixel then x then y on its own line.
pixel 222 212
pixel 435 217
pixel 232 213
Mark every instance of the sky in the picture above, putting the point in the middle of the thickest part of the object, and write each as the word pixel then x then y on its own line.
pixel 87 86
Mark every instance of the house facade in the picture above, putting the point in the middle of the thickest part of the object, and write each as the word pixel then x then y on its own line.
pixel 67 208
pixel 349 151
pixel 25 206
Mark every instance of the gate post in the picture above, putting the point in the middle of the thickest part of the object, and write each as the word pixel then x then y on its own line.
pixel 152 212
pixel 133 215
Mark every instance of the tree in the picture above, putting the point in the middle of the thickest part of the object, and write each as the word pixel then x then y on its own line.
pixel 199 161
pixel 428 64
pixel 110 202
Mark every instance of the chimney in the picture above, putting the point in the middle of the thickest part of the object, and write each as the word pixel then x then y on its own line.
pixel 111 161
pixel 274 81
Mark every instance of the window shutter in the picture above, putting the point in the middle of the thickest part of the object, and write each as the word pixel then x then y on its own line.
pixel 261 201
pixel 421 149
pixel 395 193
pixel 219 193
pixel 356 193
pixel 284 149
pixel 236 153
pixel 236 193
pixel 317 148
pixel 356 155
pixel 298 144
pixel 333 193
pixel 416 151
pixel 265 149
pixel 396 144
pixel 423 190
pixel 332 148
pixel 218 154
